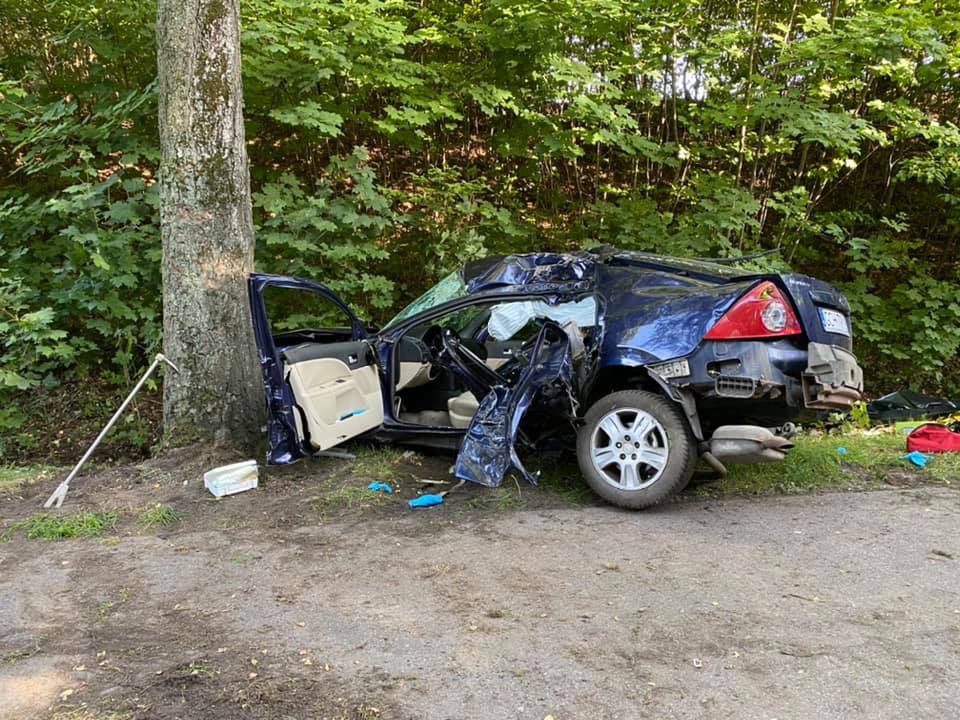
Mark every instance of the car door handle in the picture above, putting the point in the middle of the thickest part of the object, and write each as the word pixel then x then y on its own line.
pixel 508 351
pixel 352 359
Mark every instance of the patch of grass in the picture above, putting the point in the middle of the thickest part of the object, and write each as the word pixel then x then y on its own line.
pixel 61 527
pixel 566 482
pixel 159 515
pixel 201 669
pixel 240 558
pixel 505 498
pixel 379 462
pixel 348 498
pixel 831 461
pixel 104 609
pixel 15 476
pixel 945 468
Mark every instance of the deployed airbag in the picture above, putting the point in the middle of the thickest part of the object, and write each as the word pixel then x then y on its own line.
pixel 506 319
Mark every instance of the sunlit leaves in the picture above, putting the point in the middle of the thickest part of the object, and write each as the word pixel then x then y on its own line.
pixel 309 114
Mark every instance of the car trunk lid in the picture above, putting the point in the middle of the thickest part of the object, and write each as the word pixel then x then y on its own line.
pixel 824 311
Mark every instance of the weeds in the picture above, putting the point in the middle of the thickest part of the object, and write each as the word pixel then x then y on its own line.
pixel 509 497
pixel 380 463
pixel 199 668
pixel 819 462
pixel 347 498
pixel 106 607
pixel 158 515
pixel 61 527
pixel 566 482
pixel 506 498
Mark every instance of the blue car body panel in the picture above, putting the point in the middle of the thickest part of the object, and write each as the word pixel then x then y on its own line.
pixel 652 309
pixel 651 317
pixel 489 450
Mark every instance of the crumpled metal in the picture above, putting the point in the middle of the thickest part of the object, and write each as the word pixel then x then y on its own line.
pixel 536 272
pixel 488 451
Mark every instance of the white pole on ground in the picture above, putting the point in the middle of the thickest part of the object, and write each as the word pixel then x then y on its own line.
pixel 61 492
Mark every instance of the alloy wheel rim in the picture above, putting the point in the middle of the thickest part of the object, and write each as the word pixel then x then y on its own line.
pixel 629 449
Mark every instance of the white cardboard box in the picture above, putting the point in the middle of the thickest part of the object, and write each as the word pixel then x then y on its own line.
pixel 231 479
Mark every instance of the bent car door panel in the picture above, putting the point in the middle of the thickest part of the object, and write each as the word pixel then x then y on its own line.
pixel 489 447
pixel 321 386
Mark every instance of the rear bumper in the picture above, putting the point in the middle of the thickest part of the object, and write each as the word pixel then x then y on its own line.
pixel 833 380
pixel 780 378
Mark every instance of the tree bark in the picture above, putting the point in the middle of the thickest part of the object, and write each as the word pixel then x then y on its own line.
pixel 206 227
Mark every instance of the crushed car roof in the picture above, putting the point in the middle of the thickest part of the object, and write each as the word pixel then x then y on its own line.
pixel 530 271
pixel 573 271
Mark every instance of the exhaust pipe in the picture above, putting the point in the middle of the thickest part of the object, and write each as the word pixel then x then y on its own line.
pixel 748 444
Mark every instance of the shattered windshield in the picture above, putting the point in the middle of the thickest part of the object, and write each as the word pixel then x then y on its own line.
pixel 450 288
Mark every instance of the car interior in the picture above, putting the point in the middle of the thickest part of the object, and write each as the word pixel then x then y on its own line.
pixel 441 367
pixel 488 344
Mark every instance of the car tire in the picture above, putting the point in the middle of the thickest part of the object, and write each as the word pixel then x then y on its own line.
pixel 662 451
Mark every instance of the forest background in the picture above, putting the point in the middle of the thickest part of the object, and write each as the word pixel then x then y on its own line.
pixel 390 140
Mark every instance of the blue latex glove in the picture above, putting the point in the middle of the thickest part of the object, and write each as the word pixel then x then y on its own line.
pixel 380 487
pixel 425 501
pixel 917 458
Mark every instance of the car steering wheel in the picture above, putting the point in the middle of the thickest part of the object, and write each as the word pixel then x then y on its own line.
pixel 453 346
pixel 432 339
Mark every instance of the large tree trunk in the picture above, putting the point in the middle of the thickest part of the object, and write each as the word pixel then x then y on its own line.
pixel 206 226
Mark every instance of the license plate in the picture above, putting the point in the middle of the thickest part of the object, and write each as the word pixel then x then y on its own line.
pixel 834 322
pixel 674 369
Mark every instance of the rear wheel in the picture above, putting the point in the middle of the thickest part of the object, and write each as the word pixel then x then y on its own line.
pixel 635 449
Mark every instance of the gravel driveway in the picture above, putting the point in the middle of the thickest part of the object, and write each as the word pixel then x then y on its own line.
pixel 843 605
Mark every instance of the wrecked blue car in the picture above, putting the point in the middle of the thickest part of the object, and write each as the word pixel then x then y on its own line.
pixel 642 363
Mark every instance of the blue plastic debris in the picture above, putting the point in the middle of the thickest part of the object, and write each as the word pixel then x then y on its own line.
pixel 917 458
pixel 380 487
pixel 425 501
pixel 841 451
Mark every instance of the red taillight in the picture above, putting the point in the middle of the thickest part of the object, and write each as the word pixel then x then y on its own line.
pixel 761 313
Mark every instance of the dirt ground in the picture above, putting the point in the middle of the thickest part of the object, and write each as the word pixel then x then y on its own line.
pixel 305 599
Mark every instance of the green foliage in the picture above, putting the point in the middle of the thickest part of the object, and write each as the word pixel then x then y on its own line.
pixel 79 240
pixel 331 232
pixel 391 140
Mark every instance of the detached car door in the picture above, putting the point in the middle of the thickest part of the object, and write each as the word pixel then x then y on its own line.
pixel 319 369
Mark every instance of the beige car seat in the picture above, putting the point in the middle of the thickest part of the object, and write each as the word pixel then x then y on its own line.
pixel 462 409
